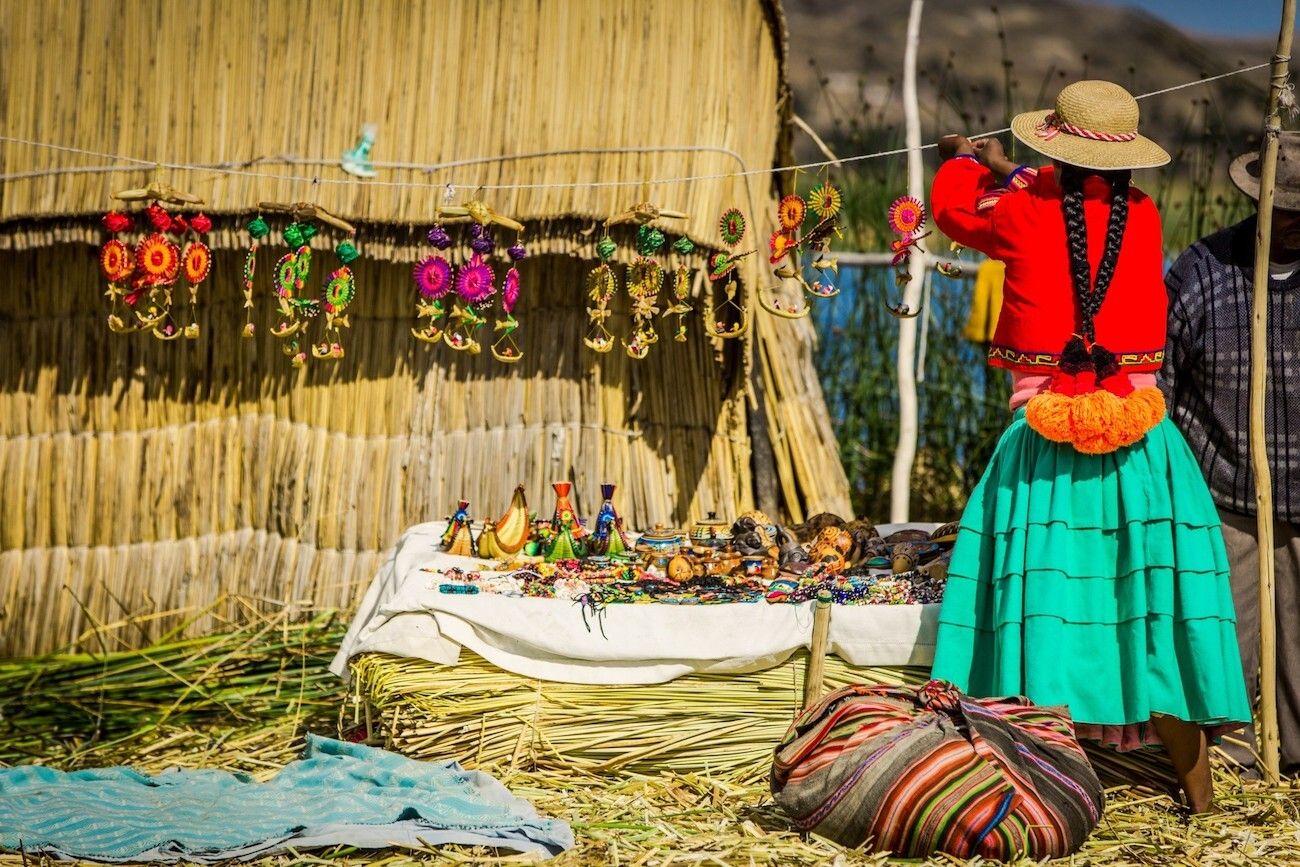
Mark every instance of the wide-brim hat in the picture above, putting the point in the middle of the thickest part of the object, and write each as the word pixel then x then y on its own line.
pixel 1244 172
pixel 1094 126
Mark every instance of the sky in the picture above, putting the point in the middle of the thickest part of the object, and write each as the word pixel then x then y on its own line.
pixel 1214 17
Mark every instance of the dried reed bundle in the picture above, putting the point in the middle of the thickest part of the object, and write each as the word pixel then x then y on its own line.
pixel 722 725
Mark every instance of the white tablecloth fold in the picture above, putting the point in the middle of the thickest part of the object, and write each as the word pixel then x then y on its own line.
pixel 404 614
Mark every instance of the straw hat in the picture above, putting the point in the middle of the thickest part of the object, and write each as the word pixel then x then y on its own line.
pixel 1244 172
pixel 1094 126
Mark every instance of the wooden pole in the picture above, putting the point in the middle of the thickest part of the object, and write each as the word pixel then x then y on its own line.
pixel 814 673
pixel 1271 745
pixel 905 454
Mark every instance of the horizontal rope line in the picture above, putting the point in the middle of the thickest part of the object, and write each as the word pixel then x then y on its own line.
pixel 479 430
pixel 227 168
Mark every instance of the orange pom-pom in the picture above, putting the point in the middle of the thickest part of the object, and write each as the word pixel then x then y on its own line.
pixel 1094 420
pixel 1048 413
pixel 1143 410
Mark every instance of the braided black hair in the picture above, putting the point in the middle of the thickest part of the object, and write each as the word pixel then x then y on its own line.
pixel 1088 297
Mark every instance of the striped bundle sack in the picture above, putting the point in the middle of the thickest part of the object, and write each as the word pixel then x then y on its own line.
pixel 919 771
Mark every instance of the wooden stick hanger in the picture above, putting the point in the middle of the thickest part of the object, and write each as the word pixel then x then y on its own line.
pixel 158 191
pixel 475 210
pixel 308 211
pixel 644 212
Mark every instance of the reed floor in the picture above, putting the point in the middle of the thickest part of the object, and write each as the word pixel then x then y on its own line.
pixel 243 699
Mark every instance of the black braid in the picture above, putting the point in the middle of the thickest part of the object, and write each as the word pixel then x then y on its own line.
pixel 1088 298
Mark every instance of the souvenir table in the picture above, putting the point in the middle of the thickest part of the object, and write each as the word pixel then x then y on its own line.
pixel 503 682
pixel 405 614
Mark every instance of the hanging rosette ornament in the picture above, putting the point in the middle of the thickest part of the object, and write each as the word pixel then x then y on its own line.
pixel 157 265
pixel 825 201
pixel 505 349
pixel 196 262
pixel 340 289
pixel 117 263
pixel 722 269
pixel 645 279
pixel 681 301
pixel 474 289
pixel 601 286
pixel 257 230
pixel 434 279
pixel 784 255
pixel 296 307
pixel 906 219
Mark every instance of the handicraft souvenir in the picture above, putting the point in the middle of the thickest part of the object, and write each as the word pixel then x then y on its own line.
pixel 722 269
pixel 646 276
pixel 711 532
pixel 297 304
pixel 455 301
pixel 788 245
pixel 512 530
pixel 141 278
pixel 458 538
pixel 906 220
pixel 608 538
pixel 564 505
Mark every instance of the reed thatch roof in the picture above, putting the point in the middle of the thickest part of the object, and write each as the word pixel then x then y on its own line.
pixel 137 475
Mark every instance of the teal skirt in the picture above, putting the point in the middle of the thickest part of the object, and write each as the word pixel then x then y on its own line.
pixel 1099 582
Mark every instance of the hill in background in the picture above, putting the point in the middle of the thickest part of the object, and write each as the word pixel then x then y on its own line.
pixel 980 64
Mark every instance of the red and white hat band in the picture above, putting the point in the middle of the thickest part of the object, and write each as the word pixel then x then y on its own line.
pixel 1053 125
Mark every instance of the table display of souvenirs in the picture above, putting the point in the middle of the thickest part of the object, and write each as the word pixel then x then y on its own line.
pixel 749 559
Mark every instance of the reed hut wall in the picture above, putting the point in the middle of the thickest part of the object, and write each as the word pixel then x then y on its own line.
pixel 140 479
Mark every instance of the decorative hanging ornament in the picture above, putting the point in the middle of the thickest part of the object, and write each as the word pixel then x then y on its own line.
pixel 787 248
pixel 645 279
pixel 257 230
pixel 452 302
pixel 505 349
pixel 825 200
pixel 140 278
pixel 298 304
pixel 433 280
pixel 601 286
pixel 906 218
pixel 722 268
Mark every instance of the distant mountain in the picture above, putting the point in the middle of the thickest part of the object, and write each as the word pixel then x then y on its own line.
pixel 846 62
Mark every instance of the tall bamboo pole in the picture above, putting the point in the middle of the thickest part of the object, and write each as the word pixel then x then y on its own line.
pixel 905 454
pixel 1258 380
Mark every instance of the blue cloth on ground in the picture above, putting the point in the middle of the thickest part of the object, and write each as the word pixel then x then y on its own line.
pixel 336 794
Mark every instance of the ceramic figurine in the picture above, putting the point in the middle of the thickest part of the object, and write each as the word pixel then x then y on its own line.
pixel 565 546
pixel 513 529
pixel 458 539
pixel 489 545
pixel 830 549
pixel 562 504
pixel 608 537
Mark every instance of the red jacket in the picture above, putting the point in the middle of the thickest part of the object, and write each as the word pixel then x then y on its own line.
pixel 1026 229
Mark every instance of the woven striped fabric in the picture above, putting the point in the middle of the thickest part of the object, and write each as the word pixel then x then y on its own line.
pixel 919 771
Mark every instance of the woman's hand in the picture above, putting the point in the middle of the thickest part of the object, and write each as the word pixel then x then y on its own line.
pixel 990 153
pixel 951 145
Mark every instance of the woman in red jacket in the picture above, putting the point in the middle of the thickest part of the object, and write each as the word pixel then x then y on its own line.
pixel 1090 569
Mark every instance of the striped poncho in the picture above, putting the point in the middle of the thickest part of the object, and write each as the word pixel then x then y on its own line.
pixel 921 771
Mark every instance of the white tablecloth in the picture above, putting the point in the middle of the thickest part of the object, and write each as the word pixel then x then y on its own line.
pixel 404 614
